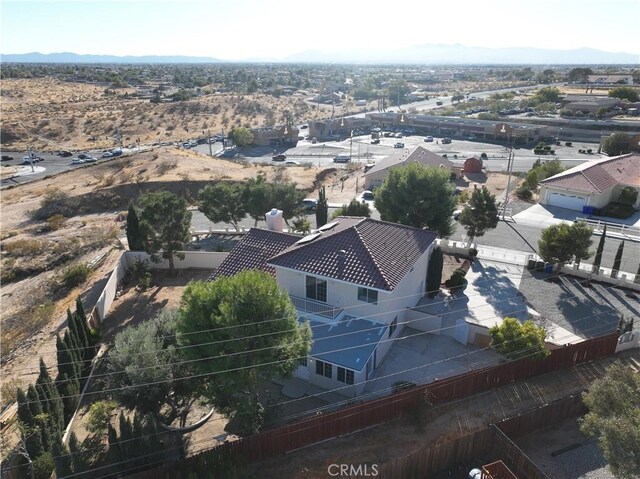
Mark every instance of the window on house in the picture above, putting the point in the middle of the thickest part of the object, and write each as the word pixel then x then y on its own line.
pixel 345 375
pixel 393 326
pixel 324 369
pixel 316 289
pixel 368 295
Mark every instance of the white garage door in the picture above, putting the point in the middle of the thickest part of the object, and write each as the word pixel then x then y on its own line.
pixel 567 200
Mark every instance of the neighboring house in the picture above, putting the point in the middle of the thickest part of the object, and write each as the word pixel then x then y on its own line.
pixel 589 103
pixel 595 184
pixel 376 175
pixel 354 280
pixel 615 79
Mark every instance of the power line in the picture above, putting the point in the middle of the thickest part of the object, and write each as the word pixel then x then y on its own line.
pixel 278 319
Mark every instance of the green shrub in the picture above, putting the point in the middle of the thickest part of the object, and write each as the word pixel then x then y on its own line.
pixel 524 193
pixel 43 466
pixel 75 274
pixel 457 282
pixel 99 416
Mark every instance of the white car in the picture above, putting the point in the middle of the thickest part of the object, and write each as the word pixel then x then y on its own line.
pixel 107 154
pixel 291 163
pixel 77 161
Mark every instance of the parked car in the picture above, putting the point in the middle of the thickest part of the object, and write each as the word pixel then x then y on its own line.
pixel 279 157
pixel 375 142
pixel 186 144
pixel 304 127
pixel 398 135
pixel 7 158
pixel 439 103
pixel 77 161
pixel 27 160
pixel 310 204
pixel 116 152
pixel 341 159
pixel 65 154
pixel 90 159
pixel 428 139
pixel 367 195
pixel 456 214
pixel 291 163
pixel 399 145
pixel 83 156
pixel 107 154
pixel 446 141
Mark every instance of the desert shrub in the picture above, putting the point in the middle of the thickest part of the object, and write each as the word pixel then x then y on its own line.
pixel 75 274
pixel 23 247
pixel 55 222
pixel 99 416
pixel 53 195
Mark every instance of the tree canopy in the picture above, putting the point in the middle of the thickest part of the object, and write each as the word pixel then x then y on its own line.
pixel 354 208
pixel 515 340
pixel 541 171
pixel 418 196
pixel 614 418
pixel 259 196
pixel 145 368
pixel 165 222
pixel 241 136
pixel 481 214
pixel 625 93
pixel 222 203
pixel 247 331
pixel 549 94
pixel 616 144
pixel 561 243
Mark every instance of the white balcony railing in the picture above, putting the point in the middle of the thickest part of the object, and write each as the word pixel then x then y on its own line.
pixel 315 307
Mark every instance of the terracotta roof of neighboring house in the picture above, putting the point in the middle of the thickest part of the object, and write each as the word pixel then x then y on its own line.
pixel 376 254
pixel 253 251
pixel 600 175
pixel 418 154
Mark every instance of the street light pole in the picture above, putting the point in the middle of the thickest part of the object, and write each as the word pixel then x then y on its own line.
pixel 506 193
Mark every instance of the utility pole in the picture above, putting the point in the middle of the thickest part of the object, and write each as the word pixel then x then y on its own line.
pixel 506 193
pixel 350 145
pixel 209 142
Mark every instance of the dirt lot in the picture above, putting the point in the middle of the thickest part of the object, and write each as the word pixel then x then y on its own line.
pixel 92 198
pixel 49 114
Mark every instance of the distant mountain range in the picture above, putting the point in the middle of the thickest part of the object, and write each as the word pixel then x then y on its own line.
pixel 428 54
pixel 461 54
pixel 67 57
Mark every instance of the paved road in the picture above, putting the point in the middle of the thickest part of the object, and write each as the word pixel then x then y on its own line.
pixel 510 235
pixel 51 165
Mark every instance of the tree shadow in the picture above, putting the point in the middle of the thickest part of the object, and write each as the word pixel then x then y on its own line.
pixel 533 249
pixel 131 309
pixel 500 292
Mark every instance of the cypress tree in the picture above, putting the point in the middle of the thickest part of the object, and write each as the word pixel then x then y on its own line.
pixel 73 351
pixel 24 411
pixel 598 259
pixel 34 401
pixel 70 392
pixel 66 365
pixel 56 408
pixel 45 421
pixel 62 460
pixel 617 260
pixel 434 272
pixel 77 455
pixel 134 234
pixel 80 312
pixel 322 209
pixel 82 339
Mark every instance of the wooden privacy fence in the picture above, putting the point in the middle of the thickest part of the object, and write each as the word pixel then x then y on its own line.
pixel 370 413
pixel 490 444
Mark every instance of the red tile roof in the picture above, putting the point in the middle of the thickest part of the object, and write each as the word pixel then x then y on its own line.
pixel 253 251
pixel 600 175
pixel 366 252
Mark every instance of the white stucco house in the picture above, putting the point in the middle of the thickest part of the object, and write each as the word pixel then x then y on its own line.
pixel 354 280
pixel 592 184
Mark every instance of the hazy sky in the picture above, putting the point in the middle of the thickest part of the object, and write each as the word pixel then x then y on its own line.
pixel 241 29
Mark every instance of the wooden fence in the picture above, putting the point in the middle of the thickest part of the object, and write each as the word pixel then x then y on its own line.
pixel 351 419
pixel 486 445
